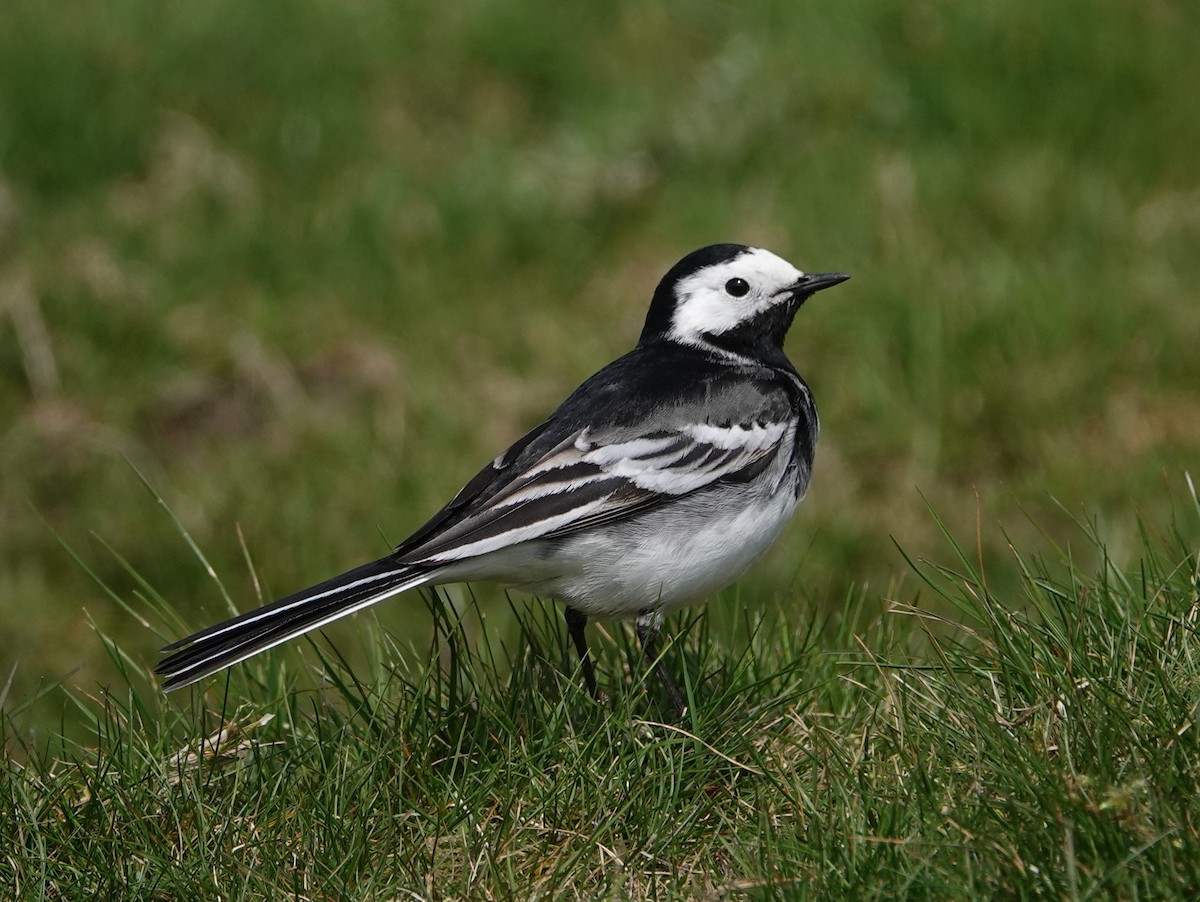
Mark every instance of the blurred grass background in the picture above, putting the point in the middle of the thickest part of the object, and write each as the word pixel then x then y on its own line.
pixel 308 265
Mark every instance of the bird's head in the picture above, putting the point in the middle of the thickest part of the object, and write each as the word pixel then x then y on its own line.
pixel 735 297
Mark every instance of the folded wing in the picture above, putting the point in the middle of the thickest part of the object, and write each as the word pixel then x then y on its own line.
pixel 594 477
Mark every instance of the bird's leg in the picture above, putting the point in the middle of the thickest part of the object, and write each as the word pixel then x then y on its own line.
pixel 649 625
pixel 576 621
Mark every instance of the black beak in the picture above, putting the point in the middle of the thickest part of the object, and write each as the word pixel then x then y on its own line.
pixel 813 282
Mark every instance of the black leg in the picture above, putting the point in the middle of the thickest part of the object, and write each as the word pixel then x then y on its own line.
pixel 648 626
pixel 576 621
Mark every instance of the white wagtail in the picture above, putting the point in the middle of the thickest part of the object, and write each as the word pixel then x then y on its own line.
pixel 655 484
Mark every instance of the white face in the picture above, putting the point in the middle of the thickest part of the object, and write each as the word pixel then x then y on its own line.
pixel 708 301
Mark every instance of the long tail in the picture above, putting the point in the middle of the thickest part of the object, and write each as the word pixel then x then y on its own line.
pixel 235 640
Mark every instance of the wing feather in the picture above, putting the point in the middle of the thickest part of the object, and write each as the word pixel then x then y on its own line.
pixel 588 479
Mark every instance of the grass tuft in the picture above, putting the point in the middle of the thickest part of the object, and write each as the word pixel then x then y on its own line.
pixel 1042 742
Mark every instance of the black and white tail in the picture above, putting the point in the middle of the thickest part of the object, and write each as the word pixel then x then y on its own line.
pixel 235 640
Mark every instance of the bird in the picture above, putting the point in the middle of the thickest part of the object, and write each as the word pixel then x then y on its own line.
pixel 654 485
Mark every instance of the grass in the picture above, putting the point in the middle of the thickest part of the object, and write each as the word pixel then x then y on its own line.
pixel 306 266
pixel 1039 743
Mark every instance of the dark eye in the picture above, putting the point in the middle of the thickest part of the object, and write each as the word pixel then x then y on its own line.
pixel 737 287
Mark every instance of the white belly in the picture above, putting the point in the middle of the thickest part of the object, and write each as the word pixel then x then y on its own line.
pixel 667 561
pixel 672 556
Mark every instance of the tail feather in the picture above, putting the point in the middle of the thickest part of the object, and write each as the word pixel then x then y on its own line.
pixel 237 639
